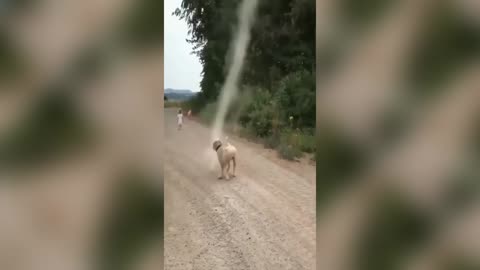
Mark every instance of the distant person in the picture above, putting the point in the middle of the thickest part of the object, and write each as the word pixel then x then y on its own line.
pixel 180 119
pixel 189 114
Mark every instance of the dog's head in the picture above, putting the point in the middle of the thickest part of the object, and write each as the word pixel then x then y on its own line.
pixel 216 144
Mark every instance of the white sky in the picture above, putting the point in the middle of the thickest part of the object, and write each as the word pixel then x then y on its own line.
pixel 182 69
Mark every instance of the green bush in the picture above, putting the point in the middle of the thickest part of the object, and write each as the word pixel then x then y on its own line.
pixel 260 113
pixel 134 222
pixel 395 227
pixel 296 98
pixel 272 142
pixel 11 62
pixel 289 152
pixel 307 143
pixel 289 145
pixel 53 127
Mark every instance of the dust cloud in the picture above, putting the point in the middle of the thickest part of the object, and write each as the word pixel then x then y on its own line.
pixel 246 15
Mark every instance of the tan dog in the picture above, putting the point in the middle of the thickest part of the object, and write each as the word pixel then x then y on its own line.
pixel 226 154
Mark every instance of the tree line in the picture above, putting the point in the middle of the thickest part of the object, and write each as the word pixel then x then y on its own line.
pixel 279 70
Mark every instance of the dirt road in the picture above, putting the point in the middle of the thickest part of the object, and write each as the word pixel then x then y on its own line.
pixel 262 219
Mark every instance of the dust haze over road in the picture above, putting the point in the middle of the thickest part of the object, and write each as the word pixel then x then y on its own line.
pixel 262 219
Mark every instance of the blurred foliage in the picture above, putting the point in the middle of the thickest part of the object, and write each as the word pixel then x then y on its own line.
pixel 11 62
pixel 464 189
pixel 51 127
pixel 339 159
pixel 393 124
pixel 447 43
pixel 89 63
pixel 396 228
pixel 9 7
pixel 353 18
pixel 360 14
pixel 134 222
pixel 461 262
pixel 143 25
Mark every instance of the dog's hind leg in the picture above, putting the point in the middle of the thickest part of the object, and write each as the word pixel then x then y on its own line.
pixel 221 172
pixel 228 169
pixel 222 167
pixel 234 166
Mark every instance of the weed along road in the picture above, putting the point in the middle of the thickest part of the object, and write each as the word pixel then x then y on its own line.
pixel 262 219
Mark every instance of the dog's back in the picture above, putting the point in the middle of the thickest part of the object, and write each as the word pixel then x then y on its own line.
pixel 229 151
pixel 229 147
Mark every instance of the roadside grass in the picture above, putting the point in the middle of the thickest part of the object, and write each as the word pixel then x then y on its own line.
pixel 173 104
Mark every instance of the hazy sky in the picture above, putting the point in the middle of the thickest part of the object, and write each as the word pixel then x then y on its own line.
pixel 182 69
